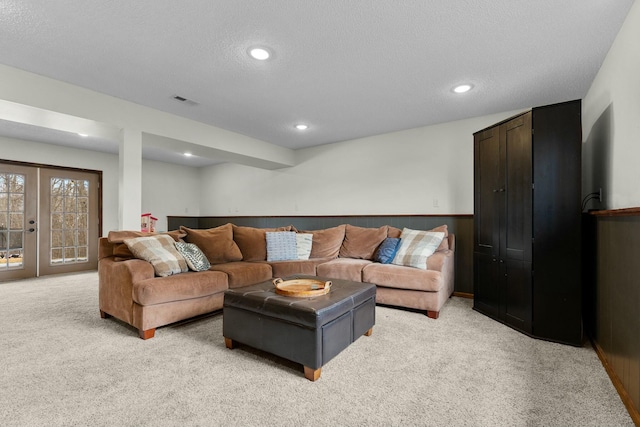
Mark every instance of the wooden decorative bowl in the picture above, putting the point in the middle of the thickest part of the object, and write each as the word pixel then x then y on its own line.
pixel 302 287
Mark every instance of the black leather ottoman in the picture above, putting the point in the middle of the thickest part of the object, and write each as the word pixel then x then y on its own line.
pixel 310 331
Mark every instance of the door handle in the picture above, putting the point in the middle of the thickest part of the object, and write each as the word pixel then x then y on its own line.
pixel 31 230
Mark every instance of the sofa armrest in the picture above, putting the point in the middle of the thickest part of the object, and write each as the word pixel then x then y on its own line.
pixel 443 261
pixel 452 241
pixel 115 283
pixel 437 261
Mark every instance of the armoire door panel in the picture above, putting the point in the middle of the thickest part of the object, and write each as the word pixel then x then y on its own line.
pixel 517 158
pixel 487 150
pixel 486 284
pixel 517 294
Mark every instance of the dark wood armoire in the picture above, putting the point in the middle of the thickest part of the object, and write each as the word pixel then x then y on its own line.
pixel 527 215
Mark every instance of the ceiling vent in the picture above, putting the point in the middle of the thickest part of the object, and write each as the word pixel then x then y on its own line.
pixel 184 100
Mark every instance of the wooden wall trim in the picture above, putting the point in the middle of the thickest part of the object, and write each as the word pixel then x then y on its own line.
pixel 463 295
pixel 617 212
pixel 331 216
pixel 617 383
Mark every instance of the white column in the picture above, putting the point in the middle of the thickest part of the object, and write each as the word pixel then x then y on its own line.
pixel 130 180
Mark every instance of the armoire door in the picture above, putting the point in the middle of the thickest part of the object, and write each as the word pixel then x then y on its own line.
pixel 487 179
pixel 516 231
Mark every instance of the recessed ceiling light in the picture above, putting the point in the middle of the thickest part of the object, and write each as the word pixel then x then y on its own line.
pixel 302 126
pixel 84 135
pixel 259 53
pixel 187 154
pixel 462 88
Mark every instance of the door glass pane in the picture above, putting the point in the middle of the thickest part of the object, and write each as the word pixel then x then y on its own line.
pixel 69 220
pixel 83 204
pixel 56 256
pixel 11 220
pixel 57 203
pixel 16 183
pixel 56 221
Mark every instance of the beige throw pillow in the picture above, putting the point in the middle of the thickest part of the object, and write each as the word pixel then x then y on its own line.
pixel 159 250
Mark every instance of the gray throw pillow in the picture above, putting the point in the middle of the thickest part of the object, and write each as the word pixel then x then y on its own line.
pixel 196 260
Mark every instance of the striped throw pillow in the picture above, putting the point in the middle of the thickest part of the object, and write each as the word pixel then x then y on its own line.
pixel 416 246
pixel 303 245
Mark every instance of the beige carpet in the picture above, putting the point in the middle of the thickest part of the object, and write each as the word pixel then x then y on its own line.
pixel 63 365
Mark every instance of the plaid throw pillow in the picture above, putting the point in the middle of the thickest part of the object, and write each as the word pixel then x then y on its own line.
pixel 416 246
pixel 193 255
pixel 160 252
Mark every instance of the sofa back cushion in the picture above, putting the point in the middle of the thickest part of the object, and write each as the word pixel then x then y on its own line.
pixel 251 241
pixel 216 243
pixel 360 242
pixel 326 243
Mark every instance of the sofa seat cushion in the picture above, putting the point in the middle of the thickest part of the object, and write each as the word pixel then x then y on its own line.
pixel 290 268
pixel 193 284
pixel 244 273
pixel 343 268
pixel 400 277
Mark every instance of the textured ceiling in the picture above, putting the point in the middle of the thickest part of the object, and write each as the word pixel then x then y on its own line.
pixel 348 69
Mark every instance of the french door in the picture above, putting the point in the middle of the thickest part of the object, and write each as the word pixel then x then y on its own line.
pixel 49 221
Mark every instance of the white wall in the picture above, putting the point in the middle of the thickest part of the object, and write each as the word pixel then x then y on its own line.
pixel 406 172
pixel 611 121
pixel 167 189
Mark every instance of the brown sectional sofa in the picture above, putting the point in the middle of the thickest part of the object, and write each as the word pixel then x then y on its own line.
pixel 130 291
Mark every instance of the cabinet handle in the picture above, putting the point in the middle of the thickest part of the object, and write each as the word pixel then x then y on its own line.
pixel 501 190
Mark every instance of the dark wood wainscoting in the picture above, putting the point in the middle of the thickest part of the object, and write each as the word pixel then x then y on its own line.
pixel 613 300
pixel 460 225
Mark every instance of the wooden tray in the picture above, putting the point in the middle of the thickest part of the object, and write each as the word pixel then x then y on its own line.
pixel 302 287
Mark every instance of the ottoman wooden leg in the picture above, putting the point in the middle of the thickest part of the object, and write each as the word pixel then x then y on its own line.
pixel 312 374
pixel 229 343
pixel 369 332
